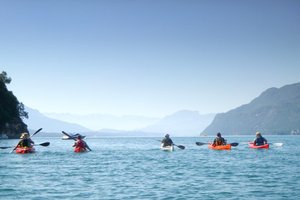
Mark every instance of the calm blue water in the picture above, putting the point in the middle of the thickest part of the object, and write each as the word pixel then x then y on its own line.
pixel 135 168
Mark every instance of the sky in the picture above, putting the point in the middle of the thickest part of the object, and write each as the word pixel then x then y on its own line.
pixel 147 57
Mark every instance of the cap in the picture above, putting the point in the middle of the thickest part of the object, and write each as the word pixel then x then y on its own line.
pixel 258 133
pixel 24 135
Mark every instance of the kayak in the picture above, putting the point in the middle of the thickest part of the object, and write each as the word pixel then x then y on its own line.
pixel 79 150
pixel 23 150
pixel 265 146
pixel 167 148
pixel 220 147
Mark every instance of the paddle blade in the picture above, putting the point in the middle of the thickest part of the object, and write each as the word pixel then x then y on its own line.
pixel 200 143
pixel 68 135
pixel 45 144
pixel 279 144
pixel 5 147
pixel 36 132
pixel 180 146
pixel 234 144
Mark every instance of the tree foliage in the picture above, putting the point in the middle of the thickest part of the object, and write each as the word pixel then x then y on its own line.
pixel 10 107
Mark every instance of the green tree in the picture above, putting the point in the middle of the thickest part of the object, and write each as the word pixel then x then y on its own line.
pixel 10 107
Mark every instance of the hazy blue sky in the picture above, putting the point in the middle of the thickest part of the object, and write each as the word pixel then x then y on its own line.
pixel 147 57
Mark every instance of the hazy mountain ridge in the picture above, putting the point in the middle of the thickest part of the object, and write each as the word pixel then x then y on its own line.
pixel 183 122
pixel 104 121
pixel 275 111
pixel 37 120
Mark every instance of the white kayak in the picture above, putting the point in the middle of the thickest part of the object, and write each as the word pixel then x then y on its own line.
pixel 167 148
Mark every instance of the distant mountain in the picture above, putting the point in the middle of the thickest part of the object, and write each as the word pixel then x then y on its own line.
pixel 181 123
pixel 37 120
pixel 102 121
pixel 275 111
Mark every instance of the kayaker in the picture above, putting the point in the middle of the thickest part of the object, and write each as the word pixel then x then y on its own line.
pixel 259 140
pixel 25 141
pixel 219 140
pixel 167 141
pixel 80 144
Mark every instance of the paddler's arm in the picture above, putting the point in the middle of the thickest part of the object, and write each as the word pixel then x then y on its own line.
pixel 87 146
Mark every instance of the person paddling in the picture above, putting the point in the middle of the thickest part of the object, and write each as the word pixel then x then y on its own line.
pixel 259 140
pixel 167 141
pixel 80 145
pixel 25 141
pixel 219 140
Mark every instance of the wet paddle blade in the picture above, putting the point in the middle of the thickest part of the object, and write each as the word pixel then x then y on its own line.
pixel 180 146
pixel 45 144
pixel 200 143
pixel 5 147
pixel 278 144
pixel 234 144
pixel 36 132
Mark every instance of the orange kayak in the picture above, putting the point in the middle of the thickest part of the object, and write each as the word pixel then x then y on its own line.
pixel 220 147
pixel 23 150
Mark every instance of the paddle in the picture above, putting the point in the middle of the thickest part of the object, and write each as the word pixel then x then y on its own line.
pixel 179 146
pixel 68 135
pixel 36 132
pixel 45 144
pixel 234 144
pixel 75 140
pixel 278 144
pixel 29 137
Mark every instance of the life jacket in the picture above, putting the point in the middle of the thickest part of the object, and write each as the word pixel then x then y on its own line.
pixel 80 144
pixel 219 141
pixel 167 142
pixel 259 141
pixel 25 143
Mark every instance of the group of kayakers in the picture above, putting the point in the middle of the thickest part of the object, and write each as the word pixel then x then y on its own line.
pixel 219 140
pixel 80 145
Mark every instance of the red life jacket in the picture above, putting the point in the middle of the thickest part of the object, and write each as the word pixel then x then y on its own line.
pixel 80 144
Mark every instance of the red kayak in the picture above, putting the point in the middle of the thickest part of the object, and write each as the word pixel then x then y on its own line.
pixel 23 150
pixel 79 150
pixel 264 146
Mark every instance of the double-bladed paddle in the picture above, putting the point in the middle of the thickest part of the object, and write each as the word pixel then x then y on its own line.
pixel 75 140
pixel 44 144
pixel 234 144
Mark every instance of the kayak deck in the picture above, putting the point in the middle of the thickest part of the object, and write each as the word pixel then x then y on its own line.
pixel 220 147
pixel 79 150
pixel 167 148
pixel 23 150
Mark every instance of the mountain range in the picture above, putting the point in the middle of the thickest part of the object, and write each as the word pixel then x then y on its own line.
pixel 184 122
pixel 98 121
pixel 275 111
pixel 181 123
pixel 37 120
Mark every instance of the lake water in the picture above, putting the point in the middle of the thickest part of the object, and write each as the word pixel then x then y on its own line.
pixel 135 168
